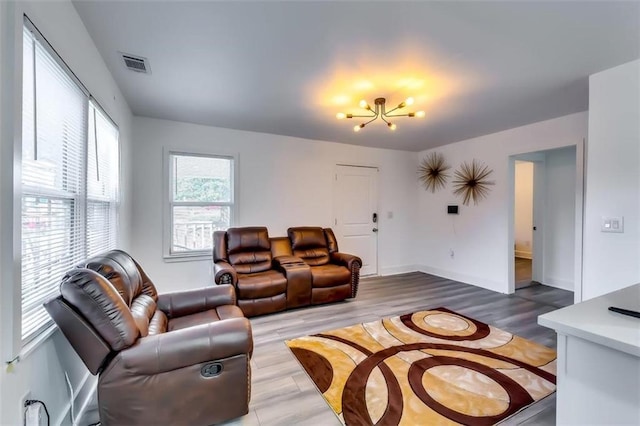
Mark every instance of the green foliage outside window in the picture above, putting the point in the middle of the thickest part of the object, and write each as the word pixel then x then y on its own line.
pixel 205 189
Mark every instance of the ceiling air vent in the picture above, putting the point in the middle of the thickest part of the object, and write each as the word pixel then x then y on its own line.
pixel 136 63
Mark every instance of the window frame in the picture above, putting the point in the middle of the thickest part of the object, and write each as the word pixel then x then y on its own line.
pixel 168 180
pixel 79 198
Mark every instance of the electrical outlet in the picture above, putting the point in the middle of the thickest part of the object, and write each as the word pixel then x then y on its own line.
pixel 23 409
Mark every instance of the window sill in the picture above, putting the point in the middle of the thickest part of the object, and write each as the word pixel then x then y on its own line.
pixel 196 257
pixel 28 348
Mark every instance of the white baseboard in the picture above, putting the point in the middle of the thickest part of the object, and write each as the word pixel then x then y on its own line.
pixel 395 270
pixel 523 254
pixel 501 287
pixel 558 283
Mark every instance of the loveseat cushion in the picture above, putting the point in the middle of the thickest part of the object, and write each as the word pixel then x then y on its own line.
pixel 309 244
pixel 249 249
pixel 260 285
pixel 329 275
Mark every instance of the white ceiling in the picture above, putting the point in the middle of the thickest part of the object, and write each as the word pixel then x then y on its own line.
pixel 288 67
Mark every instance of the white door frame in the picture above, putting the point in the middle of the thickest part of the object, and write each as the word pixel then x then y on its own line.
pixel 579 215
pixel 539 195
pixel 335 208
pixel 581 164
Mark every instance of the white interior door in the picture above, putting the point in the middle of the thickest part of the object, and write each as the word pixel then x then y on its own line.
pixel 355 206
pixel 539 195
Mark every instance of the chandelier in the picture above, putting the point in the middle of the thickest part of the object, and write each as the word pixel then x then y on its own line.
pixel 381 112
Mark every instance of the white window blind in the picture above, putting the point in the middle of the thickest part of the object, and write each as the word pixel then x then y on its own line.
pixel 69 210
pixel 103 171
pixel 201 201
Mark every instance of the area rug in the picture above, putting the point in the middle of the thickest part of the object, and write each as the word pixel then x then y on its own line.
pixel 426 368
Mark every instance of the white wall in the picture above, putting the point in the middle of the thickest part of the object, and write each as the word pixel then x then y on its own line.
pixel 479 235
pixel 612 261
pixel 283 182
pixel 3 40
pixel 42 369
pixel 523 209
pixel 559 218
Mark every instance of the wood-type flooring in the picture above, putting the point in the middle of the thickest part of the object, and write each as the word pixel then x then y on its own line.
pixel 282 393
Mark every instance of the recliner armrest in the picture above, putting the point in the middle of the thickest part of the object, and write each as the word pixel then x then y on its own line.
pixel 181 303
pixel 189 346
pixel 223 273
pixel 347 260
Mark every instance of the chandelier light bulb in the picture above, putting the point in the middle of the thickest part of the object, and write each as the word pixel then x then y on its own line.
pixel 357 127
pixel 341 115
pixel 392 126
pixel 409 101
pixel 420 114
pixel 364 104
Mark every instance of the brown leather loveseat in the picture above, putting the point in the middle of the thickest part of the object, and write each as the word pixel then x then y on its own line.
pixel 274 274
pixel 174 358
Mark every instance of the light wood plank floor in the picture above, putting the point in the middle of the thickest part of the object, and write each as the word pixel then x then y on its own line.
pixel 523 272
pixel 282 393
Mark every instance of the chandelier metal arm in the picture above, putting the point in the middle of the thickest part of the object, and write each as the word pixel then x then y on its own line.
pixel 380 110
pixel 373 119
pixel 356 116
pixel 399 115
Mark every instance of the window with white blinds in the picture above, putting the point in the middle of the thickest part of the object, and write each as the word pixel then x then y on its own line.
pixel 70 168
pixel 103 171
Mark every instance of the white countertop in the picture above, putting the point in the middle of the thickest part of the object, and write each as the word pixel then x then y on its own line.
pixel 591 320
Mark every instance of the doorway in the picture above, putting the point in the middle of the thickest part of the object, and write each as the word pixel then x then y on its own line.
pixel 523 224
pixel 544 225
pixel 355 213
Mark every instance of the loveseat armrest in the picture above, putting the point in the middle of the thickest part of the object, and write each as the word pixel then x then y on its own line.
pixel 181 303
pixel 347 260
pixel 188 346
pixel 223 273
pixel 353 264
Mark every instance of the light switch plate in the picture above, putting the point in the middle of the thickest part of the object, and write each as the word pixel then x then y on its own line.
pixel 612 224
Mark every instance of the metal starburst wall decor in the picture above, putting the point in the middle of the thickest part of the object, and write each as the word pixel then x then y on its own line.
pixel 433 172
pixel 471 182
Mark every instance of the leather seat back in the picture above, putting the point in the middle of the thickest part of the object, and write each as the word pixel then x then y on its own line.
pixel 106 304
pixel 309 244
pixel 137 291
pixel 93 296
pixel 249 249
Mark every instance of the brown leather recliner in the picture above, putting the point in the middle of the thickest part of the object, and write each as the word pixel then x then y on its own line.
pixel 175 358
pixel 334 275
pixel 273 274
pixel 242 257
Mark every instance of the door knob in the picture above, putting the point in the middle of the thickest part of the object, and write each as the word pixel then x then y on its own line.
pixel 375 229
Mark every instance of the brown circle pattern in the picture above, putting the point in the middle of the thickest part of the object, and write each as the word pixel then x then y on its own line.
pixel 522 387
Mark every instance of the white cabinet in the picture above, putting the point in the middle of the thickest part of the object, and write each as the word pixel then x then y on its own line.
pixel 598 360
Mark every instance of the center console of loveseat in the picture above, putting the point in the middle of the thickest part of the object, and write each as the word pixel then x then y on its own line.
pixel 298 276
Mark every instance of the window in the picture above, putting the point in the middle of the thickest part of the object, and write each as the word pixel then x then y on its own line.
pixel 201 201
pixel 70 166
